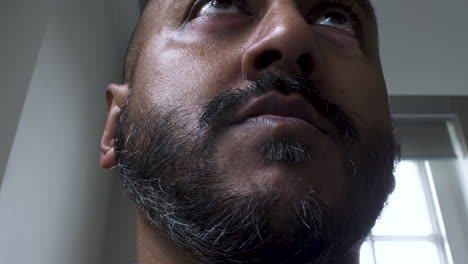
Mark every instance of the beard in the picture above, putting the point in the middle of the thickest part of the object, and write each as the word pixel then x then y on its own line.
pixel 168 167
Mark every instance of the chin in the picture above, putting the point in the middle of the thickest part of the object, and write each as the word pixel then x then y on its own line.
pixel 285 165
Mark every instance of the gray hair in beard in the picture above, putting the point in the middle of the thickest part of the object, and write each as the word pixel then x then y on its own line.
pixel 286 149
pixel 167 169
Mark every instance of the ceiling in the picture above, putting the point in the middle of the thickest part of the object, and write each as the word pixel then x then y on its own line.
pixel 424 46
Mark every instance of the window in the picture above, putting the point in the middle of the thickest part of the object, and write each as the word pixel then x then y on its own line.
pixel 410 229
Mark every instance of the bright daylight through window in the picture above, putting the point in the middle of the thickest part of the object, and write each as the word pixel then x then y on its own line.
pixel 410 229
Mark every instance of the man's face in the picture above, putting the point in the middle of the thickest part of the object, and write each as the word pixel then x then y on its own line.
pixel 258 131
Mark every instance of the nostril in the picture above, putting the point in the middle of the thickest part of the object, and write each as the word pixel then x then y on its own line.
pixel 266 59
pixel 306 64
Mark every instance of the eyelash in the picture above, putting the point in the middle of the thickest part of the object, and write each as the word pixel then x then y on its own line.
pixel 200 3
pixel 348 7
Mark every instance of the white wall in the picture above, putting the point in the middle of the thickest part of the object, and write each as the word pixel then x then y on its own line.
pixel 22 26
pixel 448 181
pixel 54 197
pixel 463 179
pixel 424 46
pixel 120 236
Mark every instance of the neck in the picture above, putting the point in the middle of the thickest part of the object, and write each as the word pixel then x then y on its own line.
pixel 354 259
pixel 153 247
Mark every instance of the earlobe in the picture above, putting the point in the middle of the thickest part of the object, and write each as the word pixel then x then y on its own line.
pixel 117 95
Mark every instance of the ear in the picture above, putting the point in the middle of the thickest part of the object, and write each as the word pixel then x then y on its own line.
pixel 116 96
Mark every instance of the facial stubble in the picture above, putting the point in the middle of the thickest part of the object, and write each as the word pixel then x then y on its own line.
pixel 170 172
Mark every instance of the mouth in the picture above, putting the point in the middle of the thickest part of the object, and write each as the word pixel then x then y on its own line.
pixel 282 108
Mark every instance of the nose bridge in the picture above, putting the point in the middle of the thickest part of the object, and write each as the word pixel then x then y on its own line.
pixel 283 41
pixel 280 20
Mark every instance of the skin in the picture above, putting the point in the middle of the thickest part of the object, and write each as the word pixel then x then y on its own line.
pixel 178 62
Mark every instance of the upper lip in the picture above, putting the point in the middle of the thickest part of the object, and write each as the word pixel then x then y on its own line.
pixel 275 103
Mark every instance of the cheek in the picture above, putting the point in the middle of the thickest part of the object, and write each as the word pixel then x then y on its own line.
pixel 336 42
pixel 355 81
pixel 176 74
pixel 361 90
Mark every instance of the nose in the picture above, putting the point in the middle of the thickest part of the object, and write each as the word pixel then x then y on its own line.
pixel 283 41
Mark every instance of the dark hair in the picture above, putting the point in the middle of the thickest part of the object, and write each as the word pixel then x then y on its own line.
pixel 143 5
pixel 131 55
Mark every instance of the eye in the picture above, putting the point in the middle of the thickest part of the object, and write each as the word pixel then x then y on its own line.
pixel 337 18
pixel 214 7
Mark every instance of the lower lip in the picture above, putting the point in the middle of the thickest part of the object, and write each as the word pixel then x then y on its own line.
pixel 273 121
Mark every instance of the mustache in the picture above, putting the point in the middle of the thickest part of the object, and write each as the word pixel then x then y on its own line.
pixel 217 111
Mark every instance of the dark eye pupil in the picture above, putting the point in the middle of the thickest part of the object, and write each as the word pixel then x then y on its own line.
pixel 221 3
pixel 336 17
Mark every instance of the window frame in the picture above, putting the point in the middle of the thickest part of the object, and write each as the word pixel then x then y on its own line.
pixel 439 237
pixel 449 176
